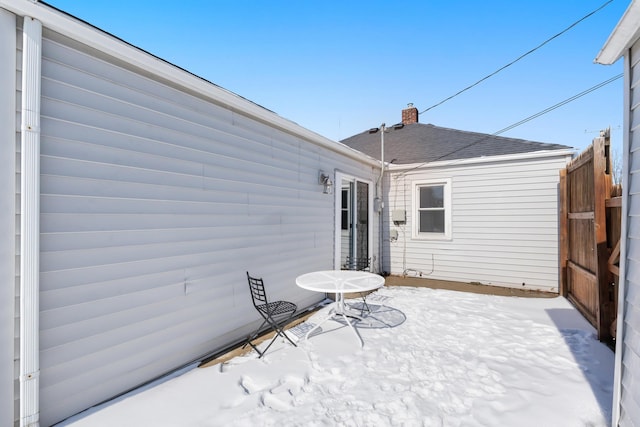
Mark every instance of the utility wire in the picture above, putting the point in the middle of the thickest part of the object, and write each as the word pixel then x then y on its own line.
pixel 523 121
pixel 559 104
pixel 517 59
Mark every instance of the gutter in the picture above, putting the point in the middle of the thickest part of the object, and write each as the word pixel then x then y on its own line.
pixel 30 224
pixel 624 35
pixel 567 153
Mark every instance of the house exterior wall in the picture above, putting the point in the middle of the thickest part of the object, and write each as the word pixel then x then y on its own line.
pixel 155 200
pixel 503 219
pixel 627 394
pixel 154 204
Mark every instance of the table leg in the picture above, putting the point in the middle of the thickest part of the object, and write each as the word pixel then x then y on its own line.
pixel 338 309
pixel 340 302
pixel 330 316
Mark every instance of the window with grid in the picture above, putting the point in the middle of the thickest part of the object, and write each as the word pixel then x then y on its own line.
pixel 432 210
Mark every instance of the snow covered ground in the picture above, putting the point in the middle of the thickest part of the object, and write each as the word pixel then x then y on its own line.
pixel 431 358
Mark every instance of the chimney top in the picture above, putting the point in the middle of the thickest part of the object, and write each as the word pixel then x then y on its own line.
pixel 409 115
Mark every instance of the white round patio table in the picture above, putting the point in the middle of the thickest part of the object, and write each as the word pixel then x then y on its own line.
pixel 339 282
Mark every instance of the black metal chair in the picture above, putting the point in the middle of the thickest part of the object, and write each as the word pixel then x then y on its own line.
pixel 359 264
pixel 276 314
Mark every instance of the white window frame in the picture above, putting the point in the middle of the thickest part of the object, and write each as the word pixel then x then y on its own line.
pixel 415 203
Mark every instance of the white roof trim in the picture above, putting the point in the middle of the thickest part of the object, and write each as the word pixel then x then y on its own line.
pixel 84 33
pixel 568 153
pixel 626 32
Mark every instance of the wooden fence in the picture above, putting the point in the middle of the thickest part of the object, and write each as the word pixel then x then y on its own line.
pixel 590 213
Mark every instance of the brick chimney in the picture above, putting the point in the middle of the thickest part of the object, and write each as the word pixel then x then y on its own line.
pixel 409 115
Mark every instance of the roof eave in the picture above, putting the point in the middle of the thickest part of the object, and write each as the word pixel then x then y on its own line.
pixel 568 153
pixel 78 30
pixel 623 36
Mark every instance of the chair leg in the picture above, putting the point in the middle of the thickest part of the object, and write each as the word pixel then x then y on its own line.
pixel 279 332
pixel 254 335
pixel 365 306
pixel 255 348
pixel 277 329
pixel 282 333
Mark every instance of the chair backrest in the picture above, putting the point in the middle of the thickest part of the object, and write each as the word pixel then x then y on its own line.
pixel 359 264
pixel 258 294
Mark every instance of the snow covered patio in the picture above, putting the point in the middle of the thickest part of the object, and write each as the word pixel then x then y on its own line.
pixel 431 357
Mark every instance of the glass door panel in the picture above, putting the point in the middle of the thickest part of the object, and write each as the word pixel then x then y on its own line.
pixel 361 249
pixel 346 222
pixel 353 220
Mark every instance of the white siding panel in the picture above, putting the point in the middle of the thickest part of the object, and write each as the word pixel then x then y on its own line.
pixel 634 118
pixel 155 202
pixel 629 347
pixel 634 146
pixel 504 225
pixel 634 161
pixel 634 58
pixel 630 398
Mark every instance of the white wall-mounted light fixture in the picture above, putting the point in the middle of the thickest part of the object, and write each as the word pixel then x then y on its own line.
pixel 325 180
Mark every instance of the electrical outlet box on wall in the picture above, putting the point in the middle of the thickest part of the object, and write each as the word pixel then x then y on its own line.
pixel 399 215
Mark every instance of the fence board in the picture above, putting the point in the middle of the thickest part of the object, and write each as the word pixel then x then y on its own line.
pixel 590 231
pixel 564 231
pixel 601 192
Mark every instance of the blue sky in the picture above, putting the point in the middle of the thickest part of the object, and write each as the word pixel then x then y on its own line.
pixel 341 67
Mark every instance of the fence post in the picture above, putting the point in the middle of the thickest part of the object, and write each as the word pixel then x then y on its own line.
pixel 601 193
pixel 564 232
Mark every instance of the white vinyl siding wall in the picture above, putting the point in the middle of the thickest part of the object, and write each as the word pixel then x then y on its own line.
pixel 155 202
pixel 630 344
pixel 504 224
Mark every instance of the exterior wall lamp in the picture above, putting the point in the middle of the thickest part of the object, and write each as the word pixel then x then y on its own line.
pixel 325 180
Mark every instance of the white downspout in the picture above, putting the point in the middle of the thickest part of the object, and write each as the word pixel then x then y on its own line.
pixel 8 170
pixel 622 278
pixel 381 195
pixel 30 224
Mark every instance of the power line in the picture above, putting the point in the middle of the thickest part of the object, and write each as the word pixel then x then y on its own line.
pixel 517 59
pixel 559 104
pixel 523 121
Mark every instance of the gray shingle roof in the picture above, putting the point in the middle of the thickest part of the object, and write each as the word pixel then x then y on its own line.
pixel 418 143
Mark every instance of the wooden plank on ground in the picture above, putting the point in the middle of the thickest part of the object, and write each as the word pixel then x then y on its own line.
pixel 239 351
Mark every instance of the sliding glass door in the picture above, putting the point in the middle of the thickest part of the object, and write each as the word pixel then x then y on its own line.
pixel 353 220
